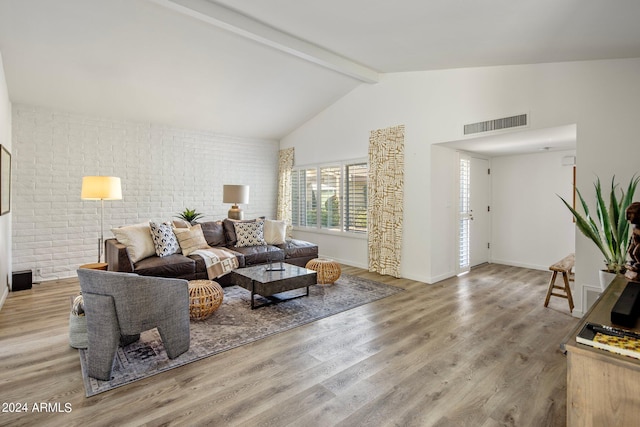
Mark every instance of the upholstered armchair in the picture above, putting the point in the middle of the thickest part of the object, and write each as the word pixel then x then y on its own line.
pixel 119 306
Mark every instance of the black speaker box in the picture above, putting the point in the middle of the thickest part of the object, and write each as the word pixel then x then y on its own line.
pixel 21 280
pixel 626 310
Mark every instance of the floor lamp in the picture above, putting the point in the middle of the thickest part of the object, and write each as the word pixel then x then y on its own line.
pixel 101 188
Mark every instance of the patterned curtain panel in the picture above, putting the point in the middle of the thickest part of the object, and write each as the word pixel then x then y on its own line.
pixel 385 194
pixel 285 164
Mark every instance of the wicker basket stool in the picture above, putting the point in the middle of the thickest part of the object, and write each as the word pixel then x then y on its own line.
pixel 328 270
pixel 205 296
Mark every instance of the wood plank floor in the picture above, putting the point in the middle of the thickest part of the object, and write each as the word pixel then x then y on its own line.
pixel 478 350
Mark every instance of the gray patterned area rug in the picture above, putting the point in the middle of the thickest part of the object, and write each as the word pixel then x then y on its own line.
pixel 235 324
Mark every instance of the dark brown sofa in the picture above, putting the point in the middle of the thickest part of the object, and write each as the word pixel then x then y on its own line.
pixel 217 234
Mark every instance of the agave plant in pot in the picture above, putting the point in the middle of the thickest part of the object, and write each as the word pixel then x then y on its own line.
pixel 190 215
pixel 611 232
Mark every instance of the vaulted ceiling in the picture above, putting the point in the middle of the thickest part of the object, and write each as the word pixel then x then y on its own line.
pixel 261 68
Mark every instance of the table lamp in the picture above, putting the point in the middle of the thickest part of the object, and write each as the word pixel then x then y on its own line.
pixel 236 194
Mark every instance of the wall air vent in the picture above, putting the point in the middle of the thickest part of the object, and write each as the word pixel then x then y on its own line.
pixel 497 124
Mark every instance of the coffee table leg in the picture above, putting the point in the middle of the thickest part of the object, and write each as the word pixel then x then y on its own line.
pixel 272 299
pixel 252 294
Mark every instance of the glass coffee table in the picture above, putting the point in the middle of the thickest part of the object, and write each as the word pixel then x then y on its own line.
pixel 267 283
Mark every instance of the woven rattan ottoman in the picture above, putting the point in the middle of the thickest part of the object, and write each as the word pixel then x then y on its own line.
pixel 328 270
pixel 205 296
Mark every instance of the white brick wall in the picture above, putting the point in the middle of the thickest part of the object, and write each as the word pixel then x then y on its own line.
pixel 163 170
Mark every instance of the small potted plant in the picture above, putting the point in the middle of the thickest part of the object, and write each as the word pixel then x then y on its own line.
pixel 190 215
pixel 611 232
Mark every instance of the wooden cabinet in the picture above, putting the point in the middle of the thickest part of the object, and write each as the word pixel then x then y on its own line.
pixel 603 388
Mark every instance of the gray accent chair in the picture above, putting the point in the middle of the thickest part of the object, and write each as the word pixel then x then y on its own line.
pixel 119 306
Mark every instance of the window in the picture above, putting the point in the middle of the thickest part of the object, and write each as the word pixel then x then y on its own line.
pixel 331 197
pixel 356 197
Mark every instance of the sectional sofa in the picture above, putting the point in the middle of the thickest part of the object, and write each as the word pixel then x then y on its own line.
pixel 131 251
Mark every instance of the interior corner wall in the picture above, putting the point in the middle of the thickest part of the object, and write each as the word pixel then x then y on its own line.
pixel 531 227
pixel 601 97
pixel 5 220
pixel 163 171
pixel 445 167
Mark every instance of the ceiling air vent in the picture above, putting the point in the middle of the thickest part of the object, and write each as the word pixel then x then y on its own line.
pixel 497 124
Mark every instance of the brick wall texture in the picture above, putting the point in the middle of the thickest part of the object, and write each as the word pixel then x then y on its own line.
pixel 163 171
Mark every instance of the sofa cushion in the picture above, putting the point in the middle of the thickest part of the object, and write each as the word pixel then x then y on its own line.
pixel 260 254
pixel 299 249
pixel 175 265
pixel 200 264
pixel 137 238
pixel 164 239
pixel 190 239
pixel 275 231
pixel 250 233
pixel 213 233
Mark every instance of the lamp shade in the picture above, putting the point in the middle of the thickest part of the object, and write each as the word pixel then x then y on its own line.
pixel 101 188
pixel 238 194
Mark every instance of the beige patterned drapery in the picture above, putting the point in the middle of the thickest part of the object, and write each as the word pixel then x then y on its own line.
pixel 285 165
pixel 386 193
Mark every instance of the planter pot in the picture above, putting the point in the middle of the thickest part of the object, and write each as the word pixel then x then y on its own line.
pixel 606 278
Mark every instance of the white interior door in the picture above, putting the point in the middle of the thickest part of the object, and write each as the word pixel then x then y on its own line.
pixel 480 210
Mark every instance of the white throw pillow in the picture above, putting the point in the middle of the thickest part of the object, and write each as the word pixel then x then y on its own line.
pixel 275 231
pixel 137 238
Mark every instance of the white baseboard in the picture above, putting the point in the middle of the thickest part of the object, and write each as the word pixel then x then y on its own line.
pixel 41 279
pixel 345 261
pixel 589 295
pixel 520 264
pixel 436 279
pixel 357 264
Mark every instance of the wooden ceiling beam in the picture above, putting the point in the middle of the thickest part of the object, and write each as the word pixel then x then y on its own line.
pixel 235 22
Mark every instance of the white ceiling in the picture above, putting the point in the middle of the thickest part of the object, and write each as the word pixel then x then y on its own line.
pixel 257 68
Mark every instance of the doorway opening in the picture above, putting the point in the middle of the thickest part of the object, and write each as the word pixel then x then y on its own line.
pixel 474 221
pixel 526 170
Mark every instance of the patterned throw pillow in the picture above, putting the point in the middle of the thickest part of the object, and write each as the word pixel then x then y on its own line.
pixel 164 239
pixel 191 239
pixel 250 233
pixel 230 229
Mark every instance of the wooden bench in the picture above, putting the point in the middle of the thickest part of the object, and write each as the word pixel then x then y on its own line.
pixel 564 266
